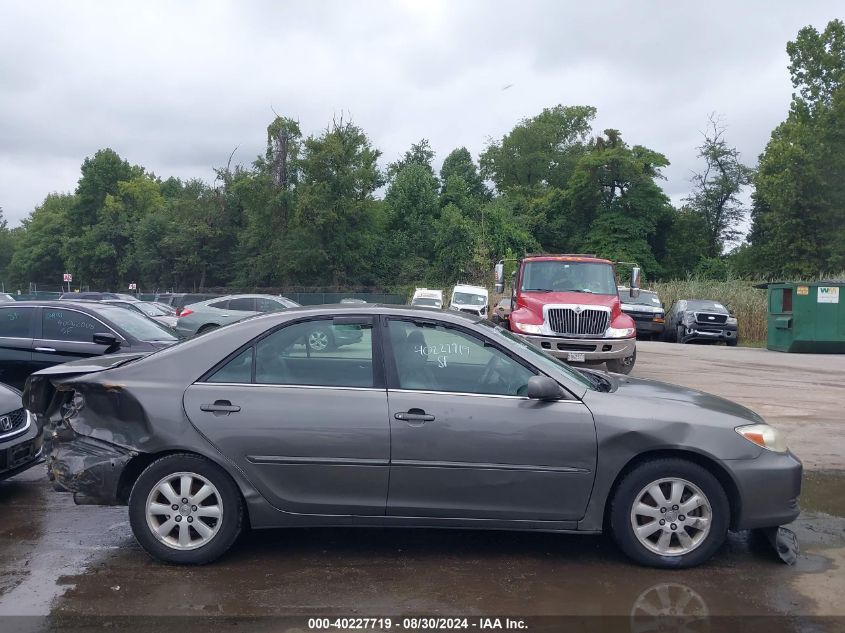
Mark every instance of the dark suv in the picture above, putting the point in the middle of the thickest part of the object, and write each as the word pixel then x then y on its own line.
pixel 700 320
pixel 39 334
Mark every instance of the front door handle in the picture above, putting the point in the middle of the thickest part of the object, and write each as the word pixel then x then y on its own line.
pixel 220 407
pixel 414 415
pixel 47 350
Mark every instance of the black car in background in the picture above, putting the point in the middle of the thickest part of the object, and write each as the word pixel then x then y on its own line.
pixel 646 310
pixel 20 441
pixel 691 320
pixel 38 334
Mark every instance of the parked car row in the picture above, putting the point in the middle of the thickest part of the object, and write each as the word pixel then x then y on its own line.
pixel 473 300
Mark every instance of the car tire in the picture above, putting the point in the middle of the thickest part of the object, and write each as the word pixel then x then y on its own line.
pixel 320 339
pixel 634 504
pixel 207 328
pixel 733 342
pixel 220 511
pixel 622 365
pixel 680 332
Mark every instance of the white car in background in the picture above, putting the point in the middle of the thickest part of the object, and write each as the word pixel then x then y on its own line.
pixel 470 299
pixel 428 298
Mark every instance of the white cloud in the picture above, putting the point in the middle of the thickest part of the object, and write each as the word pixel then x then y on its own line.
pixel 176 86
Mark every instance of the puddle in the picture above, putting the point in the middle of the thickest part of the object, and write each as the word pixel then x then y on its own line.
pixel 824 491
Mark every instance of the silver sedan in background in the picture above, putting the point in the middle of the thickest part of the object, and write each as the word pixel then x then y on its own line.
pixel 202 317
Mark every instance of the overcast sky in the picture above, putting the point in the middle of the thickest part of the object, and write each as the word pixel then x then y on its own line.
pixel 176 86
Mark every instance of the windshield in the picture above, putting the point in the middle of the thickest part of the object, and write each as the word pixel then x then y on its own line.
pixel 468 299
pixel 540 358
pixel 712 306
pixel 645 298
pixel 422 301
pixel 563 276
pixel 5 297
pixel 135 324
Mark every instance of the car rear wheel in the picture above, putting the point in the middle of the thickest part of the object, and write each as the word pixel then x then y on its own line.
pixel 669 513
pixel 185 509
pixel 622 365
pixel 321 340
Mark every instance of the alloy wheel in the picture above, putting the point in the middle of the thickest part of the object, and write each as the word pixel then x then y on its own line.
pixel 184 511
pixel 671 516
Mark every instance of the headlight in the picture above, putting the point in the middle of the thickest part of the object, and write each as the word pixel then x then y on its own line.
pixel 731 321
pixel 620 332
pixel 764 435
pixel 528 328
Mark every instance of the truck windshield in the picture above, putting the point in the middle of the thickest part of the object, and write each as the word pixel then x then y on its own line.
pixel 468 299
pixel 563 276
pixel 424 301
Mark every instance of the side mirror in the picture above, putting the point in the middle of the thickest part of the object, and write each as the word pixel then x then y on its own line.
pixel 110 340
pixel 544 388
pixel 500 277
pixel 635 282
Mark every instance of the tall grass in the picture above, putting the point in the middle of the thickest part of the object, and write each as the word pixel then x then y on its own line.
pixel 739 296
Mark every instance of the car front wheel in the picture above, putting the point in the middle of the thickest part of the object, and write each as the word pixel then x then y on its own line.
pixel 669 513
pixel 185 509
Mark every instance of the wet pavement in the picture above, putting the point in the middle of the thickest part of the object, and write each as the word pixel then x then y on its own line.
pixel 81 563
pixel 78 567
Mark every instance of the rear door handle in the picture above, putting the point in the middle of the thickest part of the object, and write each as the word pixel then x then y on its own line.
pixel 414 415
pixel 48 350
pixel 220 406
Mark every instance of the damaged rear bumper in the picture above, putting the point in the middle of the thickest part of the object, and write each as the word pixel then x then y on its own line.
pixel 90 468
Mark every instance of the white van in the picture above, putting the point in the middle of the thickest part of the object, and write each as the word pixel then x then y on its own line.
pixel 428 298
pixel 472 299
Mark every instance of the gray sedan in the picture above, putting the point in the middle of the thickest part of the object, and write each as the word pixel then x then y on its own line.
pixel 430 419
pixel 202 317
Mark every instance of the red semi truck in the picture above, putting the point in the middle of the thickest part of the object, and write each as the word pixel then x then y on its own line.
pixel 568 306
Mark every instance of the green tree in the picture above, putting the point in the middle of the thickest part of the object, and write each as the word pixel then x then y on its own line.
pixel 539 151
pixel 337 219
pixel 798 215
pixel 459 164
pixel 717 187
pixel 39 243
pixel 7 246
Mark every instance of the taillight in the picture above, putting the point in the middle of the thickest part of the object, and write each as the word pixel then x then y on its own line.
pixel 183 312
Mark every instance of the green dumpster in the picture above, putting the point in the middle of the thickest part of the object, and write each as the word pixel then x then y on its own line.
pixel 807 317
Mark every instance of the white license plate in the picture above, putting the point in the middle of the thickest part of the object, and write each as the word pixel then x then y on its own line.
pixel 575 357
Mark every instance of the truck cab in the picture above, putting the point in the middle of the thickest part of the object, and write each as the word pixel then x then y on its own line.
pixel 428 298
pixel 473 300
pixel 568 306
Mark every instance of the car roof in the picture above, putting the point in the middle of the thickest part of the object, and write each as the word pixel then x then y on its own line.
pixel 469 288
pixel 63 303
pixel 368 309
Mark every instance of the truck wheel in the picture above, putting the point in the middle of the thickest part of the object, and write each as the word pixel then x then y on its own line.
pixel 680 333
pixel 622 365
pixel 669 513
pixel 185 509
pixel 733 342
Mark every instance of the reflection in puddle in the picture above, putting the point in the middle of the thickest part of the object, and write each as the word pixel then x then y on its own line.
pixel 669 606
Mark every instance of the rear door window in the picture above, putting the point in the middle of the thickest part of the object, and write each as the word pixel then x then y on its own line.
pixel 242 304
pixel 220 305
pixel 16 322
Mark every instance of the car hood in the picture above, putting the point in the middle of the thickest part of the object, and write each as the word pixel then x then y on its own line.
pixel 660 400
pixel 10 399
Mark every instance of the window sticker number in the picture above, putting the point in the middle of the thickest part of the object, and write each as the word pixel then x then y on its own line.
pixel 444 349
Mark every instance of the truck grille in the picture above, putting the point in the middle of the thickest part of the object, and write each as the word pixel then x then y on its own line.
pixel 568 321
pixel 11 422
pixel 711 318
